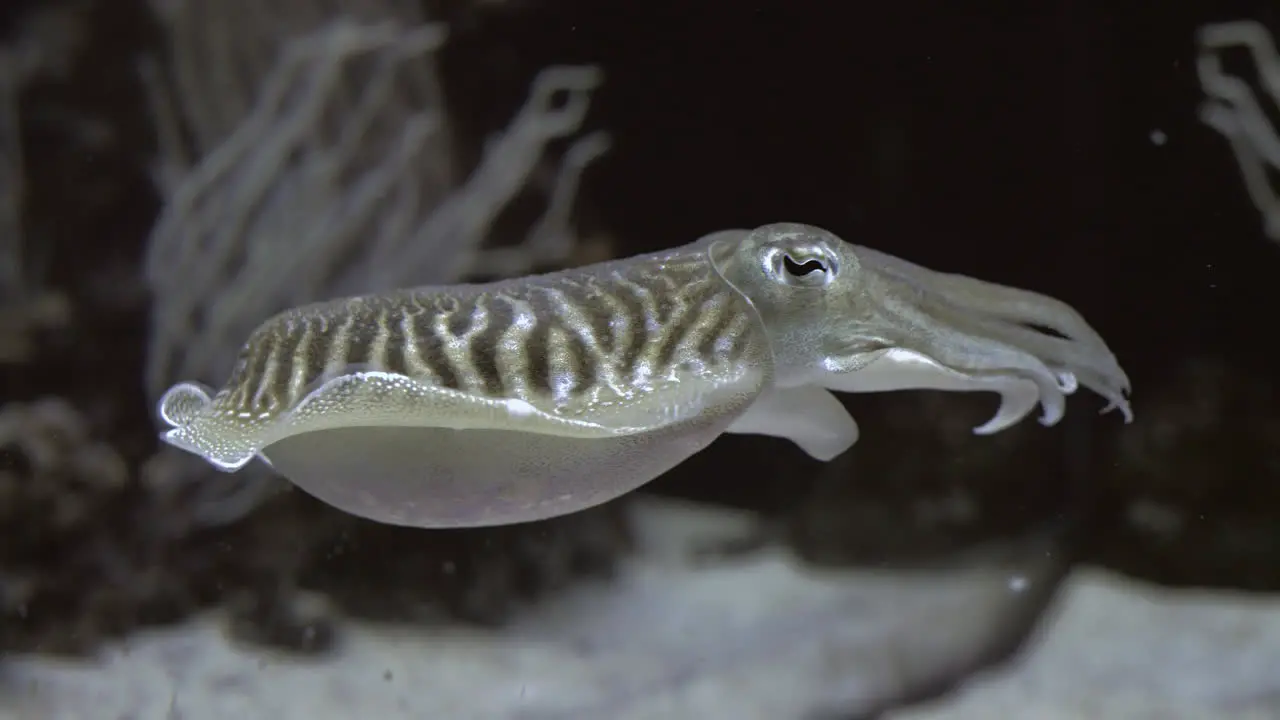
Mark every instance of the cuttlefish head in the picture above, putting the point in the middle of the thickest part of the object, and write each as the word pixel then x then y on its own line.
pixel 852 319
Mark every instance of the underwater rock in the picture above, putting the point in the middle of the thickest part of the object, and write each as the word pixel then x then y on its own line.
pixel 92 553
pixel 1194 496
pixel 921 488
pixel 57 481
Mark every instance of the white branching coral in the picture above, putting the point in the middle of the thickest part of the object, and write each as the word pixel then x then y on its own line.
pixel 43 49
pixel 325 169
pixel 45 44
pixel 11 178
pixel 1234 109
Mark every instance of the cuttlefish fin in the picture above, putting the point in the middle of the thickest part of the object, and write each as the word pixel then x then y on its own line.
pixel 231 439
pixel 807 415
pixel 183 403
pixel 182 407
pixel 375 399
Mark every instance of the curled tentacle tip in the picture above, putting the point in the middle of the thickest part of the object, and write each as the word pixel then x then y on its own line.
pixel 1012 409
pixel 1052 415
pixel 1055 404
pixel 990 427
pixel 1119 404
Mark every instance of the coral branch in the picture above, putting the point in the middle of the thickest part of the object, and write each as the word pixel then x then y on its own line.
pixel 337 179
pixel 1234 109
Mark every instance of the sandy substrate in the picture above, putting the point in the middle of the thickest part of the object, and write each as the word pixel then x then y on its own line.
pixel 1118 649
pixel 755 637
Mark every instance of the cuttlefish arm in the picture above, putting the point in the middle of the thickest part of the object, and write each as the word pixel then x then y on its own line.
pixel 847 318
pixel 1011 317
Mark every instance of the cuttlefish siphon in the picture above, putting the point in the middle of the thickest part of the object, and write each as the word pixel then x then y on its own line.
pixel 524 399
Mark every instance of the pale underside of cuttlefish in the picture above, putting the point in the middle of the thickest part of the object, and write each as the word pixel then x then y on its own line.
pixel 520 400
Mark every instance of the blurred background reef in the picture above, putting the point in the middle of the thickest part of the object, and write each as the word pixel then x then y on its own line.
pixel 1055 147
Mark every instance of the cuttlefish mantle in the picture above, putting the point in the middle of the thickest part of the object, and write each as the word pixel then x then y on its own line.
pixel 469 405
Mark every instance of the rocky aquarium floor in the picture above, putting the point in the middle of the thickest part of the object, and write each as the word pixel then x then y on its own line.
pixel 755 636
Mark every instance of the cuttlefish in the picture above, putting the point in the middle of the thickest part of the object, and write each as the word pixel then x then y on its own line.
pixel 524 399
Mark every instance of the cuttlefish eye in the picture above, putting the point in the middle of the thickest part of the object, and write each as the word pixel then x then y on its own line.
pixel 802 266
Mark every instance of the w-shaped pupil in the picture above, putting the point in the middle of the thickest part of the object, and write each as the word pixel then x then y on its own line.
pixel 802 269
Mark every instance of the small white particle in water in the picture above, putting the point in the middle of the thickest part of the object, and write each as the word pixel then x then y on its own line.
pixel 1158 137
pixel 1018 583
